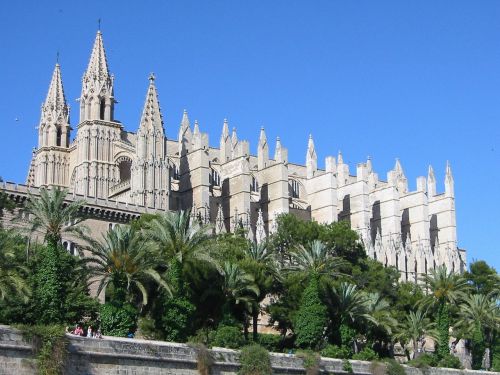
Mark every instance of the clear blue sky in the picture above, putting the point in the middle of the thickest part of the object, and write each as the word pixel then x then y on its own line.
pixel 418 80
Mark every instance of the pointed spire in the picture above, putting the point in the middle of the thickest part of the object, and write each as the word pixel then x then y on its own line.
pixel 262 150
pixel 234 138
pixel 225 143
pixel 277 150
pixel 449 185
pixel 98 64
pixel 431 182
pixel 151 119
pixel 398 168
pixel 260 230
pixel 369 165
pixel 55 95
pixel 196 130
pixel 311 158
pixel 340 159
pixel 185 135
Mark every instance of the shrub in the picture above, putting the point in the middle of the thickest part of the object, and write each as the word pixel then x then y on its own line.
pixel 310 361
pixel 394 367
pixel 449 361
pixel 346 366
pixel 49 343
pixel 269 341
pixel 423 361
pixel 228 337
pixel 311 317
pixel 203 336
pixel 378 368
pixel 204 359
pixel 334 351
pixel 117 320
pixel 255 360
pixel 147 328
pixel 177 318
pixel 367 354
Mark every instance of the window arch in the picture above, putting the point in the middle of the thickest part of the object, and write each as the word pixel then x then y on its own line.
pixel 294 189
pixel 254 186
pixel 214 177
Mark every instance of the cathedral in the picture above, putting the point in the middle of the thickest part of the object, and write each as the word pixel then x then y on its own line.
pixel 122 174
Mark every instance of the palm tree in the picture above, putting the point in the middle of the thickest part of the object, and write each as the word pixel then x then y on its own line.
pixel 181 240
pixel 415 328
pixel 50 214
pixel 12 274
pixel 124 260
pixel 479 318
pixel 316 258
pixel 444 289
pixel 379 309
pixel 261 261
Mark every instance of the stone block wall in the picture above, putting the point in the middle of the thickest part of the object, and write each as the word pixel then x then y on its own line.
pixel 120 356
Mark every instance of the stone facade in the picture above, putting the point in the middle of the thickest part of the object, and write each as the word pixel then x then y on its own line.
pixel 133 357
pixel 228 186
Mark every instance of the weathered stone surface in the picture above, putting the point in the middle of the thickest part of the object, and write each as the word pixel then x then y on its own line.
pixel 119 356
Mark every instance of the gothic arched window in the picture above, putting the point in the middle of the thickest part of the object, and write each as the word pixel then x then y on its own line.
pixel 254 187
pixel 294 189
pixel 214 178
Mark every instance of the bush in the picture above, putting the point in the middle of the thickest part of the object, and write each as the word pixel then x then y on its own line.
pixel 269 341
pixel 310 361
pixel 204 359
pixel 49 343
pixel 255 360
pixel 334 351
pixel 311 317
pixel 177 318
pixel 394 367
pixel 117 320
pixel 423 361
pixel 367 354
pixel 346 366
pixel 228 337
pixel 147 329
pixel 450 361
pixel 203 336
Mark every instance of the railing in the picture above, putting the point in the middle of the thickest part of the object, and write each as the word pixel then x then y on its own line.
pixel 119 188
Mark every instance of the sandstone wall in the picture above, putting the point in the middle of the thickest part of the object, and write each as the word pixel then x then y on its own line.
pixel 120 356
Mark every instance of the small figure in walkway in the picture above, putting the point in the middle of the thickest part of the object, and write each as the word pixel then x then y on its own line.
pixel 98 334
pixel 78 330
pixel 89 332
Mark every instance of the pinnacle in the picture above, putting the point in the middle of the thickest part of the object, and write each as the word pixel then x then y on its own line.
pixel 55 95
pixel 98 64
pixel 151 114
pixel 185 120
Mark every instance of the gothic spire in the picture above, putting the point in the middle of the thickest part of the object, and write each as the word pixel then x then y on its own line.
pixel 151 118
pixel 225 143
pixel 311 158
pixel 340 159
pixel 431 182
pixel 196 129
pixel 449 188
pixel 262 150
pixel 185 135
pixel 98 64
pixel 55 95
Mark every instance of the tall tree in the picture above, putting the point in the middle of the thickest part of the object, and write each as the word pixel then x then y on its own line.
pixel 51 215
pixel 444 289
pixel 415 328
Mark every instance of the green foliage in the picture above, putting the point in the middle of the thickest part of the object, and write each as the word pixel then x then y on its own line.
pixel 176 322
pixel 394 367
pixel 269 341
pixel 146 328
pixel 117 320
pixel 255 360
pixel 48 287
pixel 310 361
pixel 50 347
pixel 347 366
pixel 449 361
pixel 478 347
pixel 443 326
pixel 311 319
pixel 483 278
pixel 228 337
pixel 334 351
pixel 424 360
pixel 367 354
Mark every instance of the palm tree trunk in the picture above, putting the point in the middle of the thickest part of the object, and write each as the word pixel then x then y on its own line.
pixel 255 321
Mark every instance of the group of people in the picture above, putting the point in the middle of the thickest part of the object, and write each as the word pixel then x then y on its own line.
pixel 78 331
